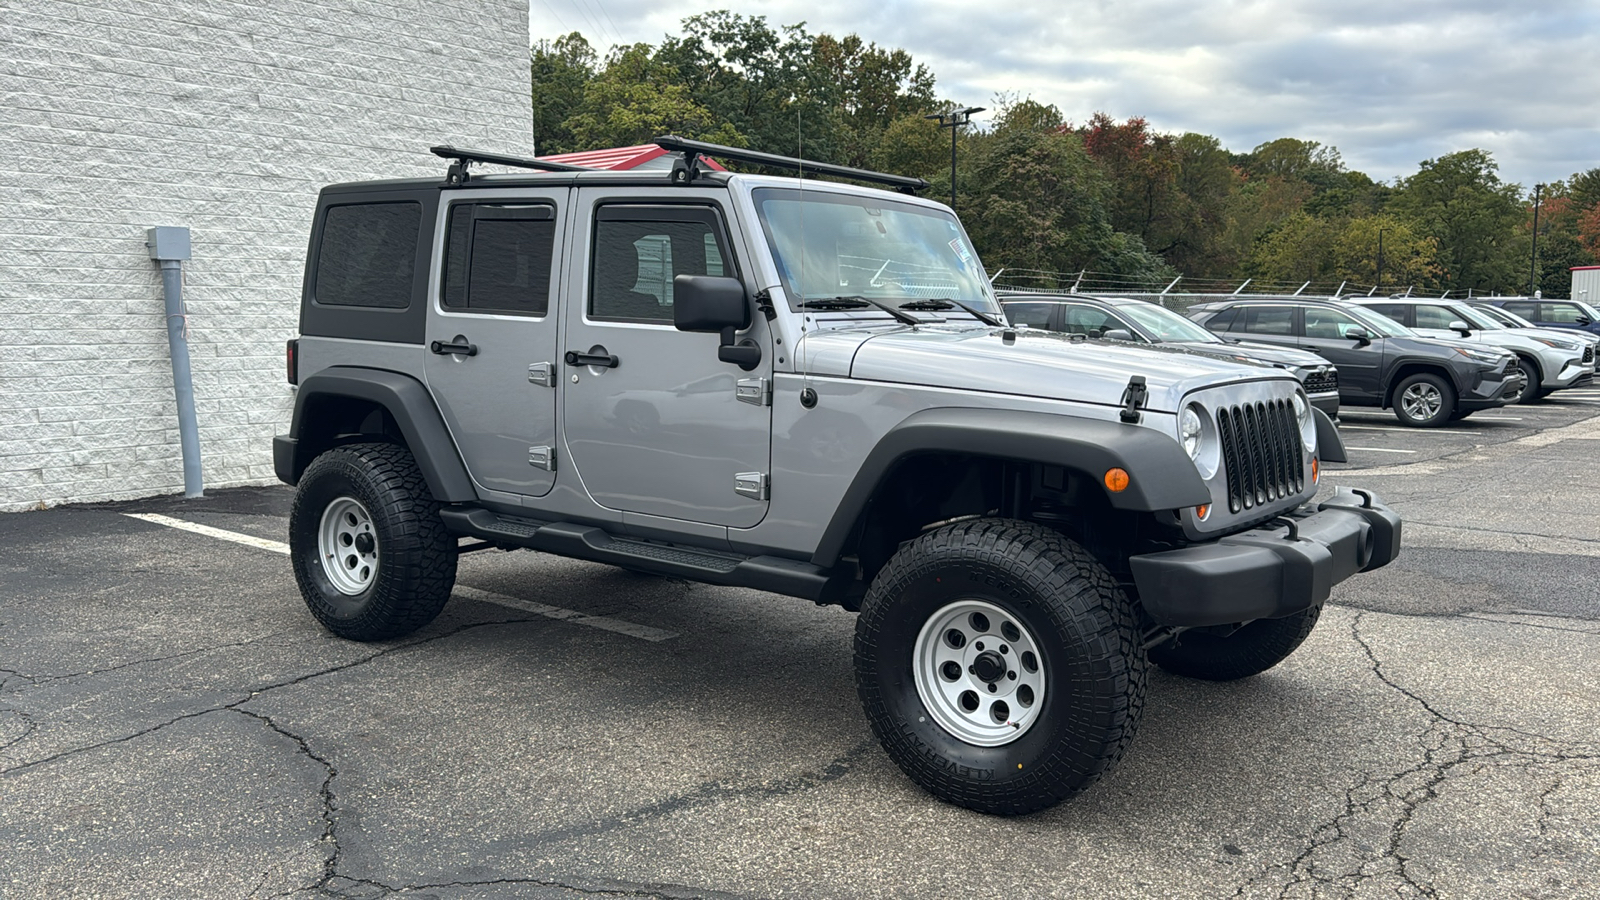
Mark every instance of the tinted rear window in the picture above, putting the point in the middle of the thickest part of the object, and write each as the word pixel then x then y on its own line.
pixel 499 258
pixel 367 255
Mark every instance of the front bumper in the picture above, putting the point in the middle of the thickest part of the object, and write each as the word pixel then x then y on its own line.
pixel 1493 390
pixel 1271 571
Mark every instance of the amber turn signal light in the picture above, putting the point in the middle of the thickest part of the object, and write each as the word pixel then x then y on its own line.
pixel 1201 511
pixel 1116 480
pixel 1316 470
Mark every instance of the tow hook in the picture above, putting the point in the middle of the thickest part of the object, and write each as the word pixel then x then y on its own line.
pixel 1294 529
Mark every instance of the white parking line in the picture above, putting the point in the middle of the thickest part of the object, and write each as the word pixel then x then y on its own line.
pixel 1379 450
pixel 1404 430
pixel 631 629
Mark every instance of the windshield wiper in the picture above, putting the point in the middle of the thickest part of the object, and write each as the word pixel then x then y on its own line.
pixel 938 303
pixel 859 302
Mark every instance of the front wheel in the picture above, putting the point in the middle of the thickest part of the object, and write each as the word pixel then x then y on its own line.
pixel 999 665
pixel 1424 400
pixel 370 553
pixel 1251 650
pixel 1530 387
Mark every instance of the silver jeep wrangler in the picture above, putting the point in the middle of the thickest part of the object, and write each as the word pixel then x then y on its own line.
pixel 808 388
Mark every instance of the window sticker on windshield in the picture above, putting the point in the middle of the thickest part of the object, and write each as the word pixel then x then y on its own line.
pixel 962 254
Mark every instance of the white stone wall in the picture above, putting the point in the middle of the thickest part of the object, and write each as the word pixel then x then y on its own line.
pixel 226 117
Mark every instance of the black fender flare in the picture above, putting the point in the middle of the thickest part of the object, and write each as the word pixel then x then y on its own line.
pixel 408 403
pixel 1162 476
pixel 1330 444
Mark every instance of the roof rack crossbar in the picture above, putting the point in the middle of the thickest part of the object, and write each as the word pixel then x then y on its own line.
pixel 458 170
pixel 693 149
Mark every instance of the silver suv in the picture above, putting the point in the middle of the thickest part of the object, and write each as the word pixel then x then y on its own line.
pixel 806 388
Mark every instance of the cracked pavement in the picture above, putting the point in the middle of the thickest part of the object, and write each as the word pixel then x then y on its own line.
pixel 173 723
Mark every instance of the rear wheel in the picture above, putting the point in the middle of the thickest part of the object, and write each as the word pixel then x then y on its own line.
pixel 999 665
pixel 1424 400
pixel 1251 650
pixel 370 553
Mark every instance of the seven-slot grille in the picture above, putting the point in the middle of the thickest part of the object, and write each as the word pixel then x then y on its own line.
pixel 1262 452
pixel 1322 381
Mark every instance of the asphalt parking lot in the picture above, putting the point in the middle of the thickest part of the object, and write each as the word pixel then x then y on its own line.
pixel 174 724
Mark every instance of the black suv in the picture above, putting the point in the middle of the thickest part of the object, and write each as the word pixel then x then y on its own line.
pixel 1427 382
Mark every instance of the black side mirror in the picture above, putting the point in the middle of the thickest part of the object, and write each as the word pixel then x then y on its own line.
pixel 714 303
pixel 1361 336
pixel 1583 320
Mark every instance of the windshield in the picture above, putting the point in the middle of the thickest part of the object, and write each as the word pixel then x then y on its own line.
pixel 1511 319
pixel 1378 323
pixel 834 245
pixel 1477 319
pixel 1162 324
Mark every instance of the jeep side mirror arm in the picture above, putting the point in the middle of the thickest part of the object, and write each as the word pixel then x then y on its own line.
pixel 746 354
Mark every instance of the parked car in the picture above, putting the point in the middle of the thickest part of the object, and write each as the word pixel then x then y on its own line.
pixel 1426 381
pixel 806 388
pixel 1573 314
pixel 1548 363
pixel 1143 322
pixel 1591 341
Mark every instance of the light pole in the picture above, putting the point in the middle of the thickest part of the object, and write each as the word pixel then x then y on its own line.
pixel 953 119
pixel 1380 260
pixel 1533 256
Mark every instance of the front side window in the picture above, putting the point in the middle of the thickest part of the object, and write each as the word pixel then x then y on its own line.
pixel 1438 317
pixel 498 258
pixel 1087 320
pixel 367 254
pixel 639 250
pixel 830 245
pixel 1330 324
pixel 1565 314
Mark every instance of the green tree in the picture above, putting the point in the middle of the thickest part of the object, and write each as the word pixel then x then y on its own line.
pixel 1459 200
pixel 1038 201
pixel 561 69
pixel 636 98
pixel 1409 257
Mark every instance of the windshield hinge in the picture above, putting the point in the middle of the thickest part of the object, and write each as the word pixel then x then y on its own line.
pixel 1133 397
pixel 764 303
pixel 755 391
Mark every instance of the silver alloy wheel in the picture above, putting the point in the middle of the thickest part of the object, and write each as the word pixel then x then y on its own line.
pixel 347 546
pixel 1422 401
pixel 979 672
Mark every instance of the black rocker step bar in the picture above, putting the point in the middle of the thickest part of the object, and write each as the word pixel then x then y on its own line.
pixel 790 577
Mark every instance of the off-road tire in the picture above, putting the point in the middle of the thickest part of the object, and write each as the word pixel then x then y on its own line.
pixel 416 556
pixel 1087 636
pixel 1530 389
pixel 1251 650
pixel 1426 384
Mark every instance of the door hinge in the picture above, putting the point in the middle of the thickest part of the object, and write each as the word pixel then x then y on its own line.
pixel 542 373
pixel 542 458
pixel 755 391
pixel 751 484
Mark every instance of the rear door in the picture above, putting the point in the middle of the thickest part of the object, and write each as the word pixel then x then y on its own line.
pixel 1278 325
pixel 492 336
pixel 654 423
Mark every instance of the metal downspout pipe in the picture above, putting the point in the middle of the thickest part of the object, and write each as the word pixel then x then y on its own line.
pixel 169 247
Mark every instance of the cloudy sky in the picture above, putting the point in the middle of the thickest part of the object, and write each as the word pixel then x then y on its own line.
pixel 1388 82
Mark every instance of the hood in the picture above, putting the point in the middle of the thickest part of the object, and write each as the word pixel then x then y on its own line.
pixel 1268 354
pixel 1035 364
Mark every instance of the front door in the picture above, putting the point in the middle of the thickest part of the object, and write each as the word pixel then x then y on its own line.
pixel 653 422
pixel 492 336
pixel 1360 365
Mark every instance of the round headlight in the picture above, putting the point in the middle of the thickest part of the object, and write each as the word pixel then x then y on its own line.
pixel 1189 430
pixel 1302 409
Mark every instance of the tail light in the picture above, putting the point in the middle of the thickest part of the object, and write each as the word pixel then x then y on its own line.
pixel 292 359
